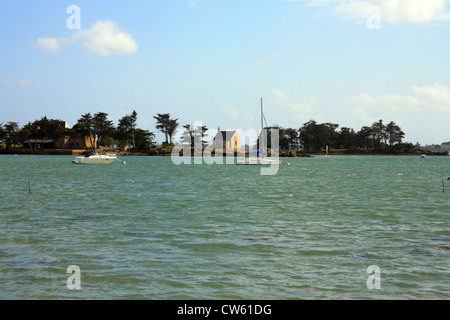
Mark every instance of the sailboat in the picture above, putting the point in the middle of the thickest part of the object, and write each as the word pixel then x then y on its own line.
pixel 260 159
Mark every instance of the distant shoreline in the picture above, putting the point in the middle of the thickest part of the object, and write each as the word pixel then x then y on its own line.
pixel 165 152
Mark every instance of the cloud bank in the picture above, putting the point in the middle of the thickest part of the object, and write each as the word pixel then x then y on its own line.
pixel 392 11
pixel 429 98
pixel 104 38
pixel 21 82
pixel 422 112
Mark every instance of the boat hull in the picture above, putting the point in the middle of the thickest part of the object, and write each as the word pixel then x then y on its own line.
pixel 258 161
pixel 94 160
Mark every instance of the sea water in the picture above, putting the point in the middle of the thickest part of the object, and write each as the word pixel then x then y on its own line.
pixel 150 229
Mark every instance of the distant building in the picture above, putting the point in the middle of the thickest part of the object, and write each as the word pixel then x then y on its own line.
pixel 227 140
pixel 38 143
pixel 69 140
pixel 65 142
pixel 76 141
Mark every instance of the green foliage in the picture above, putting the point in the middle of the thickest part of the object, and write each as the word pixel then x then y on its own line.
pixel 313 136
pixel 194 137
pixel 143 140
pixel 107 142
pixel 166 125
pixel 126 129
pixel 10 133
pixel 103 129
pixel 85 127
pixel 445 146
pixel 310 137
pixel 97 126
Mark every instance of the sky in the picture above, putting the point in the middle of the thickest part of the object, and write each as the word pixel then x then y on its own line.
pixel 350 62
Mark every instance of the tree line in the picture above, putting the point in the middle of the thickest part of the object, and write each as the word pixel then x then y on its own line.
pixel 314 137
pixel 97 128
pixel 311 136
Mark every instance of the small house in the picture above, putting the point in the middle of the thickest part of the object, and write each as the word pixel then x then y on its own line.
pixel 76 141
pixel 227 140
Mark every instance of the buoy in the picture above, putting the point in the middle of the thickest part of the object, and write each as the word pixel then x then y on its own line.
pixel 124 162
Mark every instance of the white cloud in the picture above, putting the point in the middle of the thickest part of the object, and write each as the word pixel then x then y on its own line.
pixel 392 11
pixel 313 3
pixel 229 112
pixel 48 44
pixel 422 112
pixel 5 79
pixel 262 63
pixel 362 115
pixel 24 82
pixel 294 109
pixel 21 82
pixel 354 10
pixel 104 38
pixel 230 116
pixel 416 11
pixel 192 4
pixel 418 112
pixel 280 95
pixel 188 84
pixel 436 97
pixel 430 98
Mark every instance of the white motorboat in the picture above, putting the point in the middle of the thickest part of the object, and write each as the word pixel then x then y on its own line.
pixel 95 158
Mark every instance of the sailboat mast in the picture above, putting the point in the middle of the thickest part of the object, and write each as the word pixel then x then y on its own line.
pixel 262 125
pixel 263 137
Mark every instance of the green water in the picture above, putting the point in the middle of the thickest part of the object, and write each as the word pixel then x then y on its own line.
pixel 151 229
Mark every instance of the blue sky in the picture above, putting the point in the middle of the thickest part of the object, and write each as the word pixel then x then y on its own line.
pixel 350 62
